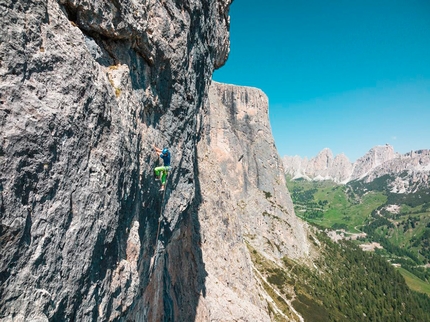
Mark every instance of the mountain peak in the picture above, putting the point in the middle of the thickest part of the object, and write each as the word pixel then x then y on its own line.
pixel 322 167
pixel 326 151
pixel 373 158
pixel 379 160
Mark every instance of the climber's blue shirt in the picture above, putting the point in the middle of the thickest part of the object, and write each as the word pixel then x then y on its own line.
pixel 166 159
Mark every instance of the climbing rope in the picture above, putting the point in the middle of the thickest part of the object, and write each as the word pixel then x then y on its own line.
pixel 160 218
pixel 161 208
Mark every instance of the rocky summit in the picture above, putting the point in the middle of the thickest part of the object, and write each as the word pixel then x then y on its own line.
pixel 411 169
pixel 87 88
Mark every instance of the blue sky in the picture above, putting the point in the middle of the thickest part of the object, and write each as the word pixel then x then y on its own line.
pixel 347 75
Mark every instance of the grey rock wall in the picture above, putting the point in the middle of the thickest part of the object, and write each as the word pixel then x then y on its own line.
pixel 86 89
pixel 410 171
pixel 244 201
pixel 375 157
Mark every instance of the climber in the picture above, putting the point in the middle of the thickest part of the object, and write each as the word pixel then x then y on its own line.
pixel 161 172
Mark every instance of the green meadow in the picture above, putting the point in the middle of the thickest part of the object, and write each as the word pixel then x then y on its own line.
pixel 399 223
pixel 415 283
pixel 329 205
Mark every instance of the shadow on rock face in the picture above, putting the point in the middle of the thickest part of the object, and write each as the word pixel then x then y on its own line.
pixel 95 85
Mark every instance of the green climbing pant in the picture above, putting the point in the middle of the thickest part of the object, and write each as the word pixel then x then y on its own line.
pixel 161 172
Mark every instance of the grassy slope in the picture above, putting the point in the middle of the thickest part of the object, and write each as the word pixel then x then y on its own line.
pixel 342 211
pixel 414 282
pixel 338 206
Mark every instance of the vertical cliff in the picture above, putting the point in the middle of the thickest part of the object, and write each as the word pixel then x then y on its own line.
pixel 244 201
pixel 87 88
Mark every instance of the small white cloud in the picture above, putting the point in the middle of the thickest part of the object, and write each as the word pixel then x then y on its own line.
pixel 394 137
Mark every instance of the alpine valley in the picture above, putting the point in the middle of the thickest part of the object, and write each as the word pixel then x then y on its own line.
pixel 381 202
pixel 87 88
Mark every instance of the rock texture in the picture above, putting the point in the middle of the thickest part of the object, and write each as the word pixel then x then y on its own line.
pixel 376 156
pixel 407 173
pixel 410 171
pixel 86 89
pixel 341 168
pixel 321 167
pixel 241 176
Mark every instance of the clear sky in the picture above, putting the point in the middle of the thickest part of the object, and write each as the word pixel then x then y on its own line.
pixel 340 74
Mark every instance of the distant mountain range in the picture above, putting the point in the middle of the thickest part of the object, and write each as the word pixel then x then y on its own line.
pixel 408 172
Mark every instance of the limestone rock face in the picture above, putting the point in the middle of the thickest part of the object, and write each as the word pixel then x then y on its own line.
pixel 295 166
pixel 242 177
pixel 86 89
pixel 321 167
pixel 321 163
pixel 375 157
pixel 409 171
pixel 341 168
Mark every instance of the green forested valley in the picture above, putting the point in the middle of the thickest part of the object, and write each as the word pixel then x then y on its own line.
pixel 342 284
pixel 369 213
